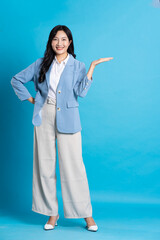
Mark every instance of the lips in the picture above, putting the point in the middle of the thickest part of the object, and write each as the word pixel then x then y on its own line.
pixel 59 48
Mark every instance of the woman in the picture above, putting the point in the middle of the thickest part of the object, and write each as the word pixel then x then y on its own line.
pixel 59 80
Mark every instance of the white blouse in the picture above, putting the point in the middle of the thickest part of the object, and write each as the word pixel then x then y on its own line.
pixel 55 73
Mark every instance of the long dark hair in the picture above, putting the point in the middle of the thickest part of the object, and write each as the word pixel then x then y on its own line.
pixel 50 54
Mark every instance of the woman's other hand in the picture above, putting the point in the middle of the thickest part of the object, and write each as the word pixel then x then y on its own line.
pixel 31 100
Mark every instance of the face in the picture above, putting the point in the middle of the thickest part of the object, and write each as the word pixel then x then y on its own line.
pixel 60 42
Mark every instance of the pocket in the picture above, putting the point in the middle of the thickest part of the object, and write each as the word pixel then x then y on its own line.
pixel 72 104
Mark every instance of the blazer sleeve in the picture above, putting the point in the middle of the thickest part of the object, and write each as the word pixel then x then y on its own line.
pixel 83 84
pixel 23 77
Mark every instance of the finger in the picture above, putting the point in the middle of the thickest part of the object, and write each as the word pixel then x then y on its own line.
pixel 108 57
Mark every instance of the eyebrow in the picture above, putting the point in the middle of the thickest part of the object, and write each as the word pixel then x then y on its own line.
pixel 61 37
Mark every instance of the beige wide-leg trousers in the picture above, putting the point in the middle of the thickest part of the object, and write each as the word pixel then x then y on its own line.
pixel 74 183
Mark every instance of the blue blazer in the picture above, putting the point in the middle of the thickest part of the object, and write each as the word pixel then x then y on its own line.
pixel 73 83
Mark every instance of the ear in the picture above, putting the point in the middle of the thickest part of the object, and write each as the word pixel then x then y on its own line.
pixel 70 42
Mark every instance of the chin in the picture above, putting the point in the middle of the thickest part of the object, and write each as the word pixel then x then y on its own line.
pixel 60 52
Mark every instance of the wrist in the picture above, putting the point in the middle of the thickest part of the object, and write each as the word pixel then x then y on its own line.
pixel 92 65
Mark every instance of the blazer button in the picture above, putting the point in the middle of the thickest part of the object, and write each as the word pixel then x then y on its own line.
pixel 58 109
pixel 59 91
pixel 85 88
pixel 87 83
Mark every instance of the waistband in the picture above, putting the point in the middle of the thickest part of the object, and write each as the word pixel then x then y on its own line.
pixel 50 101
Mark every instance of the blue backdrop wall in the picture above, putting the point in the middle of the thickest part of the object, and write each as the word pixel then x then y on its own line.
pixel 120 115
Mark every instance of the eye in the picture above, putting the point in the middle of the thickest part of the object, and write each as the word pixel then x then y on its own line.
pixel 64 39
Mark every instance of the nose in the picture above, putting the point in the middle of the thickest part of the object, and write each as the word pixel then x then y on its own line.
pixel 60 43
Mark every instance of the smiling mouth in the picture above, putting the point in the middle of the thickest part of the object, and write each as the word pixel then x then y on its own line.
pixel 59 48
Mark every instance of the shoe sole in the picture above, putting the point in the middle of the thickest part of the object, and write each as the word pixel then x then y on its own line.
pixel 91 230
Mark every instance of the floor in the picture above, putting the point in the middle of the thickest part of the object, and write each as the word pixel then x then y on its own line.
pixel 116 221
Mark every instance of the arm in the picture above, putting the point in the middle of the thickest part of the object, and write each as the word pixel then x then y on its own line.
pixel 84 81
pixel 90 71
pixel 23 77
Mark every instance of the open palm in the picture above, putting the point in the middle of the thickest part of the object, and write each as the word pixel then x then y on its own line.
pixel 100 60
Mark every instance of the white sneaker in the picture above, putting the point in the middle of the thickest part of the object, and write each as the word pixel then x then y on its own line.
pixel 92 228
pixel 48 226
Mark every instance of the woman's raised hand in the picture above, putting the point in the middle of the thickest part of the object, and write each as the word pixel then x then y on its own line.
pixel 94 63
pixel 100 60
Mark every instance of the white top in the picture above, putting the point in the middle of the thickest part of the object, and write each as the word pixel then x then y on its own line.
pixel 55 73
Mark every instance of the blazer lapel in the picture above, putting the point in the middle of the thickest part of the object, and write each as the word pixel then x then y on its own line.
pixel 68 65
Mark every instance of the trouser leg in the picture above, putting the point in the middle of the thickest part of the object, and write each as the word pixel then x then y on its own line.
pixel 44 199
pixel 74 183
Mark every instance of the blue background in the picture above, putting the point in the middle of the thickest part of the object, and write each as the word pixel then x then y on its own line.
pixel 120 115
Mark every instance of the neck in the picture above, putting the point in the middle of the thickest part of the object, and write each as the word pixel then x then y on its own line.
pixel 61 57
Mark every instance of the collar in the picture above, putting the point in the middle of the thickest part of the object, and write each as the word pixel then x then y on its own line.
pixel 64 61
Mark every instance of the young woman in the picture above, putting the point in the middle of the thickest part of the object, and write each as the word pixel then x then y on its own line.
pixel 59 80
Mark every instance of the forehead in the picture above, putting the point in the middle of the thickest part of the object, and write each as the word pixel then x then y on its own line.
pixel 61 34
